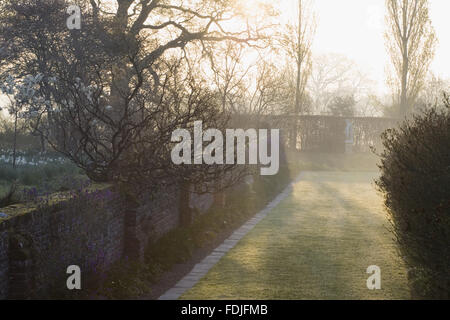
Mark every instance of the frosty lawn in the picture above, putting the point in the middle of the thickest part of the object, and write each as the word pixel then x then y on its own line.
pixel 317 244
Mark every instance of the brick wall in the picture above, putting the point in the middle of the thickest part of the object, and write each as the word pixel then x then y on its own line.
pixel 36 248
pixel 41 244
pixel 4 263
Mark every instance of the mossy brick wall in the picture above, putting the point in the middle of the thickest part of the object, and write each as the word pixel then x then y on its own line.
pixel 44 242
pixel 4 263
pixel 160 214
pixel 156 216
pixel 37 247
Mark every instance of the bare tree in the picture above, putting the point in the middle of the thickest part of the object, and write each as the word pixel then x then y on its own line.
pixel 433 91
pixel 114 91
pixel 410 40
pixel 266 91
pixel 333 76
pixel 297 43
pixel 21 95
pixel 229 73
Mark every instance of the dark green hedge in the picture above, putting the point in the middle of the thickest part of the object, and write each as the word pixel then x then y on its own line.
pixel 415 179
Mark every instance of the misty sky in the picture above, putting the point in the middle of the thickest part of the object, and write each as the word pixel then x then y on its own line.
pixel 355 28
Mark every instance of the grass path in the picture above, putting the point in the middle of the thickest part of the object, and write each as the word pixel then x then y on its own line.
pixel 317 244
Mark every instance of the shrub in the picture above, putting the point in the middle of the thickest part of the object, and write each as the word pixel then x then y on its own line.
pixel 31 176
pixel 10 198
pixel 415 177
pixel 7 173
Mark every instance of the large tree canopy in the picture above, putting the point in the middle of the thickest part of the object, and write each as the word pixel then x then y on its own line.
pixel 113 91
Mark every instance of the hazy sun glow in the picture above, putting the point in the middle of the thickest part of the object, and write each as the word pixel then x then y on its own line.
pixel 355 28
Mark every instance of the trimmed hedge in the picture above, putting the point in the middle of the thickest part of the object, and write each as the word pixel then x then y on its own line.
pixel 415 179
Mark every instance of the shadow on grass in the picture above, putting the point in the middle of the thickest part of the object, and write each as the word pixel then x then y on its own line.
pixel 315 248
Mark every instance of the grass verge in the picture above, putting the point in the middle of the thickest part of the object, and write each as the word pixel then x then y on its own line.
pixel 130 280
pixel 316 244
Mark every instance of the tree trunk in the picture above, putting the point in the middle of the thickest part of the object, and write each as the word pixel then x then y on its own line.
pixel 294 133
pixel 42 138
pixel 404 93
pixel 15 141
pixel 405 63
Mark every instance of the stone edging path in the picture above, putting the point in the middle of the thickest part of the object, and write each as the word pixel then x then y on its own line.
pixel 202 268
